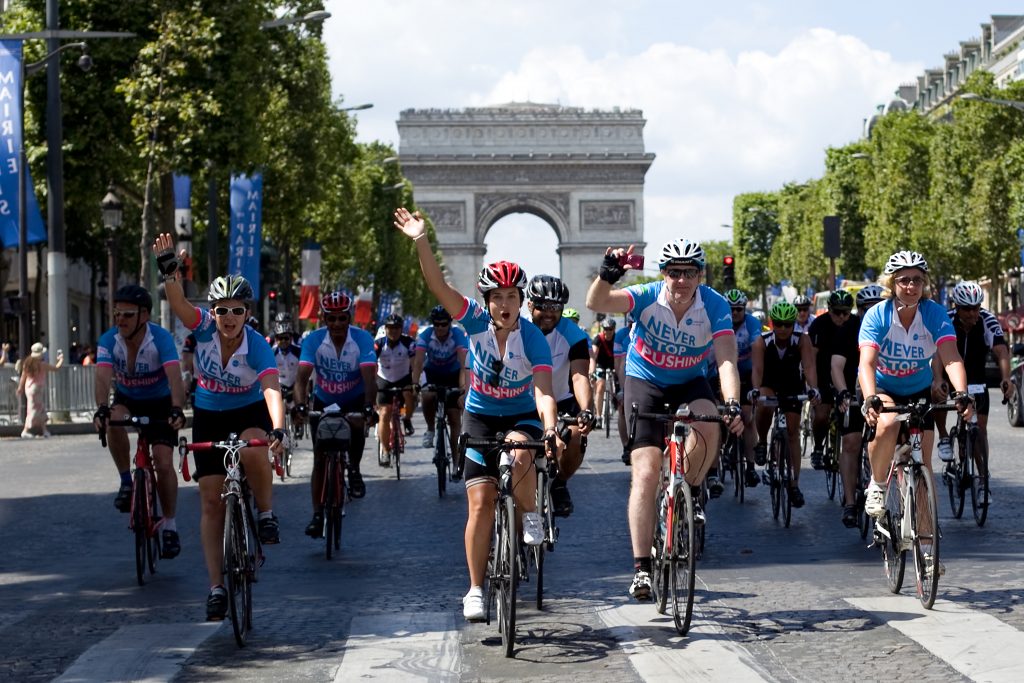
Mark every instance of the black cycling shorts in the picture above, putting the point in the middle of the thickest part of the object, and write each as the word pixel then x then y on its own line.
pixel 449 380
pixel 569 406
pixel 981 403
pixel 652 399
pixel 928 423
pixel 158 432
pixel 217 425
pixel 384 387
pixel 481 468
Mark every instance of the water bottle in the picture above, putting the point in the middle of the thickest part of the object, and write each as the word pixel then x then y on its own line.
pixel 505 471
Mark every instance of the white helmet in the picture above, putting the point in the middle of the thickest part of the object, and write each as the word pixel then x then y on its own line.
pixel 681 250
pixel 905 259
pixel 871 294
pixel 968 293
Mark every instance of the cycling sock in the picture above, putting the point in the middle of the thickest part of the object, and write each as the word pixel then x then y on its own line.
pixel 265 514
pixel 126 478
pixel 169 524
pixel 642 564
pixel 219 588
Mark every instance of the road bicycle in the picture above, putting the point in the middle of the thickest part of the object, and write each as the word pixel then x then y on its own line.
pixel 806 428
pixel 968 471
pixel 779 471
pixel 505 565
pixel 910 519
pixel 291 440
pixel 396 397
pixel 243 553
pixel 333 437
pixel 678 542
pixel 730 463
pixel 547 470
pixel 608 411
pixel 833 450
pixel 144 519
pixel 444 458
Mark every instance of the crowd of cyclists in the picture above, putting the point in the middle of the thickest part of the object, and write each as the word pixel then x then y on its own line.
pixel 517 374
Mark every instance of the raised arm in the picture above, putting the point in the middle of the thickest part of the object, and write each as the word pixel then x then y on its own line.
pixel 413 226
pixel 601 297
pixel 170 267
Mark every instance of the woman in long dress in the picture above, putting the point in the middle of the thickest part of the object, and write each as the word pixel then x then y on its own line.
pixel 33 387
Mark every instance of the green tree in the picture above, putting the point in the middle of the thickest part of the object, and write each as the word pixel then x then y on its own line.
pixel 842 187
pixel 755 221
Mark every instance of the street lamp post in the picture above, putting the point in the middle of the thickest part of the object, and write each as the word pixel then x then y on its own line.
pixel 113 213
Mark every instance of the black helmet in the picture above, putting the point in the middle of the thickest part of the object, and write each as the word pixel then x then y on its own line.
pixel 439 314
pixel 134 294
pixel 547 288
pixel 230 287
pixel 393 319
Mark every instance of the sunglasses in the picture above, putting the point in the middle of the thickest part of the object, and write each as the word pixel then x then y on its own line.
pixel 340 318
pixel 125 314
pixel 739 309
pixel 841 311
pixel 776 323
pixel 496 367
pixel 234 310
pixel 803 309
pixel 677 273
pixel 442 324
pixel 283 339
pixel 907 281
pixel 969 309
pixel 547 306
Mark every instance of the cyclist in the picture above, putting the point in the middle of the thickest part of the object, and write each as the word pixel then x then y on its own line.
pixel 441 356
pixel 804 317
pixel 677 321
pixel 845 357
pixel 824 332
pixel 286 354
pixel 572 314
pixel 570 379
pixel 395 352
pixel 620 348
pixel 345 364
pixel 750 353
pixel 788 366
pixel 139 357
pixel 509 388
pixel 897 340
pixel 238 392
pixel 977 333
pixel 602 363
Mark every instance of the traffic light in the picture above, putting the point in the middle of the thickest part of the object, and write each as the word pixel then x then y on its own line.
pixel 728 272
pixel 272 298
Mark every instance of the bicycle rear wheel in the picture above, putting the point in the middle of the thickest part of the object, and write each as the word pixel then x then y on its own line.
pixel 924 520
pixel 659 578
pixel 508 574
pixel 683 561
pixel 236 569
pixel 893 554
pixel 979 483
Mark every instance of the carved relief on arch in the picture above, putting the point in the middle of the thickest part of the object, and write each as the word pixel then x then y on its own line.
pixel 447 217
pixel 550 206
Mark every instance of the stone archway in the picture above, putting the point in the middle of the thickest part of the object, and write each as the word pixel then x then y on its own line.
pixel 580 171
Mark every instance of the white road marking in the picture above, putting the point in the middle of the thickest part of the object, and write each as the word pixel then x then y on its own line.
pixel 976 644
pixel 146 652
pixel 658 653
pixel 402 647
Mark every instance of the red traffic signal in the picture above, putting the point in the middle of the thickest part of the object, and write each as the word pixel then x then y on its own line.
pixel 727 260
pixel 272 294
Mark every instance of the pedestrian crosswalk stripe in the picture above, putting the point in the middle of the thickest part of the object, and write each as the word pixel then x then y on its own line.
pixel 976 644
pixel 402 648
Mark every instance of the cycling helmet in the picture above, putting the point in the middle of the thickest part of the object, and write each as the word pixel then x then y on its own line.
pixel 905 259
pixel 968 294
pixel 439 314
pixel 284 327
pixel 501 274
pixel 547 288
pixel 572 314
pixel 782 312
pixel 801 300
pixel 283 317
pixel 736 297
pixel 682 251
pixel 608 323
pixel 134 294
pixel 230 287
pixel 871 294
pixel 840 299
pixel 335 302
pixel 393 319
pixel 253 322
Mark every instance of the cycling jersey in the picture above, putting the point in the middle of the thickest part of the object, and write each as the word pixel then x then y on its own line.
pixel 605 350
pixel 803 327
pixel 665 352
pixel 974 344
pixel 846 346
pixel 621 343
pixel 147 378
pixel 190 344
pixel 442 357
pixel 904 355
pixel 394 361
pixel 287 363
pixel 238 384
pixel 746 332
pixel 339 378
pixel 526 352
pixel 825 336
pixel 567 343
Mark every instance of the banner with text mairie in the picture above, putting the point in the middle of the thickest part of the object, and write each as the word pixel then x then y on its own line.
pixel 10 147
pixel 246 228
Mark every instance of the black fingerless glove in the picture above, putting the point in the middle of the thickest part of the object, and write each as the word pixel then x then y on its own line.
pixel 167 263
pixel 962 399
pixel 586 418
pixel 611 271
pixel 102 413
pixel 177 414
pixel 276 435
pixel 732 408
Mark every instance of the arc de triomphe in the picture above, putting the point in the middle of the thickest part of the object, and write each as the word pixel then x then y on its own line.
pixel 580 171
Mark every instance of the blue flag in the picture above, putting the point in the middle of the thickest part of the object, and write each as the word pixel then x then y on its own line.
pixel 10 147
pixel 246 228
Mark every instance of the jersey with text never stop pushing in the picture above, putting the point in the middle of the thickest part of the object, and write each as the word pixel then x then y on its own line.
pixel 147 379
pixel 236 384
pixel 904 354
pixel 339 376
pixel 439 356
pixel 394 359
pixel 668 353
pixel 526 352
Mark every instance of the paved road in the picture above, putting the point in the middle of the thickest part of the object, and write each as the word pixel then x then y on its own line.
pixel 807 603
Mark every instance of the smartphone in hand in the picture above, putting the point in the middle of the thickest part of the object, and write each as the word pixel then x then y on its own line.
pixel 633 261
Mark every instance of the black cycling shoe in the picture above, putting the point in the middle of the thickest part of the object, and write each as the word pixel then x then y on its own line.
pixel 760 455
pixel 715 486
pixel 627 458
pixel 171 544
pixel 217 604
pixel 409 429
pixel 796 497
pixel 457 474
pixel 123 500
pixel 356 487
pixel 850 516
pixel 268 530
pixel 560 499
pixel 315 528
pixel 817 460
pixel 752 480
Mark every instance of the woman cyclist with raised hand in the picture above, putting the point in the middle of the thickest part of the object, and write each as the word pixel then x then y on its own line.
pixel 238 392
pixel 509 388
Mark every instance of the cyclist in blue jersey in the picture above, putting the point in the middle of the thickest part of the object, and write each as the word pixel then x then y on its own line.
pixel 237 393
pixel 570 377
pixel 139 357
pixel 677 321
pixel 441 350
pixel 510 387
pixel 395 351
pixel 286 354
pixel 898 339
pixel 346 366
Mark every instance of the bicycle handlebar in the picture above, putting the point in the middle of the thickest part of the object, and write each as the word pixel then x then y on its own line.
pixel 777 398
pixel 683 414
pixel 131 421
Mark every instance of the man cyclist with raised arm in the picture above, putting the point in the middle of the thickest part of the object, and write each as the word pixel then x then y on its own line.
pixel 570 379
pixel 509 389
pixel 977 333
pixel 823 333
pixel 395 352
pixel 804 317
pixel 139 358
pixel 345 363
pixel 602 363
pixel 788 365
pixel 677 321
pixel 441 355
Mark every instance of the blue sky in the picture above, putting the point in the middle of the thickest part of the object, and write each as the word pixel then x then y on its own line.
pixel 738 96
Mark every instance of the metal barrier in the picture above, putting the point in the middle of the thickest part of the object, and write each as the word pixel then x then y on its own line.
pixel 69 390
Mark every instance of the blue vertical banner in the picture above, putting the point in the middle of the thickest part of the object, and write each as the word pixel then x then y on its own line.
pixel 10 149
pixel 183 211
pixel 246 228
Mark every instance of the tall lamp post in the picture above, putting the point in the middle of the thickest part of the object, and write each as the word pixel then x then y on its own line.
pixel 113 213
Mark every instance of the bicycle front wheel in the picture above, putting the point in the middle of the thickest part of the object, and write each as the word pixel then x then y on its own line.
pixel 832 449
pixel 774 477
pixel 607 413
pixel 441 459
pixel 139 522
pixel 978 471
pixel 508 567
pixel 956 472
pixel 863 519
pixel 332 508
pixel 543 508
pixel 683 561
pixel 924 520
pixel 659 554
pixel 397 445
pixel 236 569
pixel 893 550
